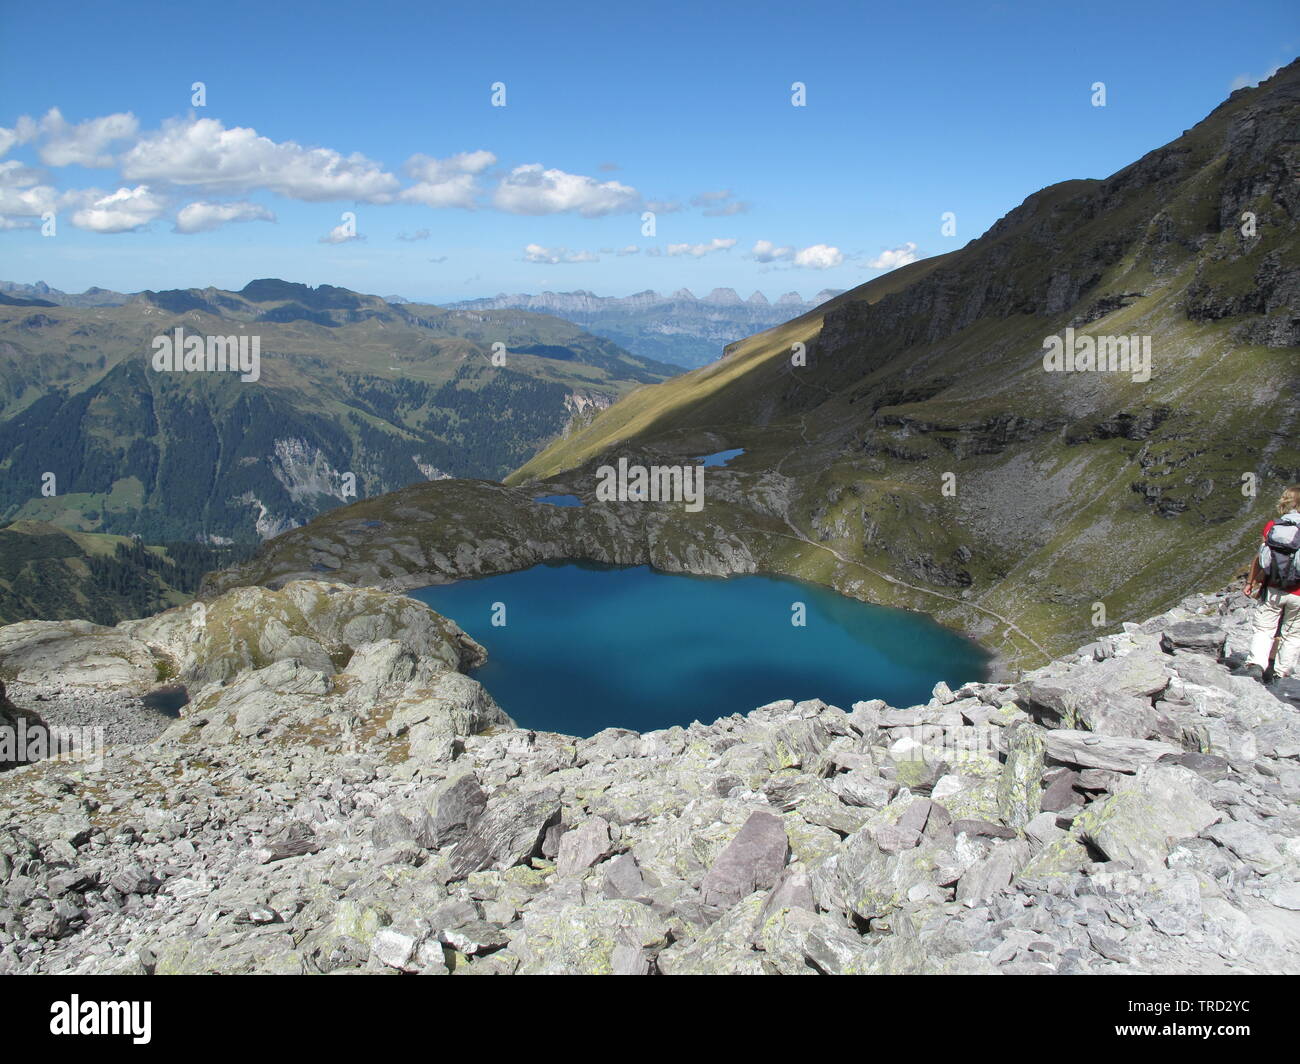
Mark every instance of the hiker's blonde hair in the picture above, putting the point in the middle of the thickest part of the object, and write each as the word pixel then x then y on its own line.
pixel 1289 499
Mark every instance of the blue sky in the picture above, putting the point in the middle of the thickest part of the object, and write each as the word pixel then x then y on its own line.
pixel 384 111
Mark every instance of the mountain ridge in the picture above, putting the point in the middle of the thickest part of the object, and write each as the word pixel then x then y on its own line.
pixel 680 328
pixel 349 386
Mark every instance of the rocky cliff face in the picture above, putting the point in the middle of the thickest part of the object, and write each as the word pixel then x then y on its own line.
pixel 338 796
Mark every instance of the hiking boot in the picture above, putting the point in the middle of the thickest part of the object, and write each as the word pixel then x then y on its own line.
pixel 1249 669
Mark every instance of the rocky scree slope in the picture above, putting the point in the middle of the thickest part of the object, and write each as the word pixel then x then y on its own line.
pixel 339 797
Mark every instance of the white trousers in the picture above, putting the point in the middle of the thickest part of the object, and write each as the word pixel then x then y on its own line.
pixel 1277 616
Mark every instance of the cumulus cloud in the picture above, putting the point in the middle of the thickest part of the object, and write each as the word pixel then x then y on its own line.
pixel 23 194
pixel 120 211
pixel 819 257
pixel 814 257
pixel 892 258
pixel 84 143
pixel 766 251
pixel 204 217
pixel 23 131
pixel 700 250
pixel 531 189
pixel 557 256
pixel 445 182
pixel 343 233
pixel 203 153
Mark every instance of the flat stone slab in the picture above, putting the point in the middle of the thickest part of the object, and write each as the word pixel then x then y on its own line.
pixel 1090 750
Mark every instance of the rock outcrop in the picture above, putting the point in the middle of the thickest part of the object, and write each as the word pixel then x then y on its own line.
pixel 339 796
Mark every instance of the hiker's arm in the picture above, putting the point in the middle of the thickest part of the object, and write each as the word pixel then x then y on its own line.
pixel 1255 577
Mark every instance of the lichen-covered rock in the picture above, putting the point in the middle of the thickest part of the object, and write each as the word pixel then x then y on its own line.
pixel 598 938
pixel 1020 792
pixel 1141 819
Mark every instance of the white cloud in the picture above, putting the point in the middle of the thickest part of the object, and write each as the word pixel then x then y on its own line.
pixel 819 257
pixel 203 153
pixel 28 202
pixel 766 251
pixel 85 143
pixel 14 174
pixel 556 256
pixel 892 258
pixel 23 194
pixel 343 233
pixel 814 257
pixel 700 250
pixel 120 211
pixel 530 189
pixel 23 131
pixel 445 182
pixel 204 217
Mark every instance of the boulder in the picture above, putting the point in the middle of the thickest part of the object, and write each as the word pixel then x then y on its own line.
pixel 509 831
pixel 1144 816
pixel 752 861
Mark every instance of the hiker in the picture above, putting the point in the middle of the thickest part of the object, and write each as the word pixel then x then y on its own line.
pixel 1275 580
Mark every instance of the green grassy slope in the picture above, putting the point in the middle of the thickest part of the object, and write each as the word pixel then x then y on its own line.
pixel 48 573
pixel 349 384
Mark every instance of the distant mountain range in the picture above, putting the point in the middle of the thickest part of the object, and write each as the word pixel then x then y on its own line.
pixel 13 293
pixel 355 397
pixel 681 328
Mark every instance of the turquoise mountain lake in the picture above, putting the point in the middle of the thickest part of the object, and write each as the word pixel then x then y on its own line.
pixel 587 647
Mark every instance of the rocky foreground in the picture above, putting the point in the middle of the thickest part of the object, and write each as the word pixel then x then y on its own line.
pixel 339 796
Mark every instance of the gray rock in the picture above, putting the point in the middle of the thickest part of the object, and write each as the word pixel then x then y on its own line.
pixel 1206 637
pixel 1143 817
pixel 583 846
pixel 1248 842
pixel 509 831
pixel 623 880
pixel 450 811
pixel 1090 750
pixel 752 861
